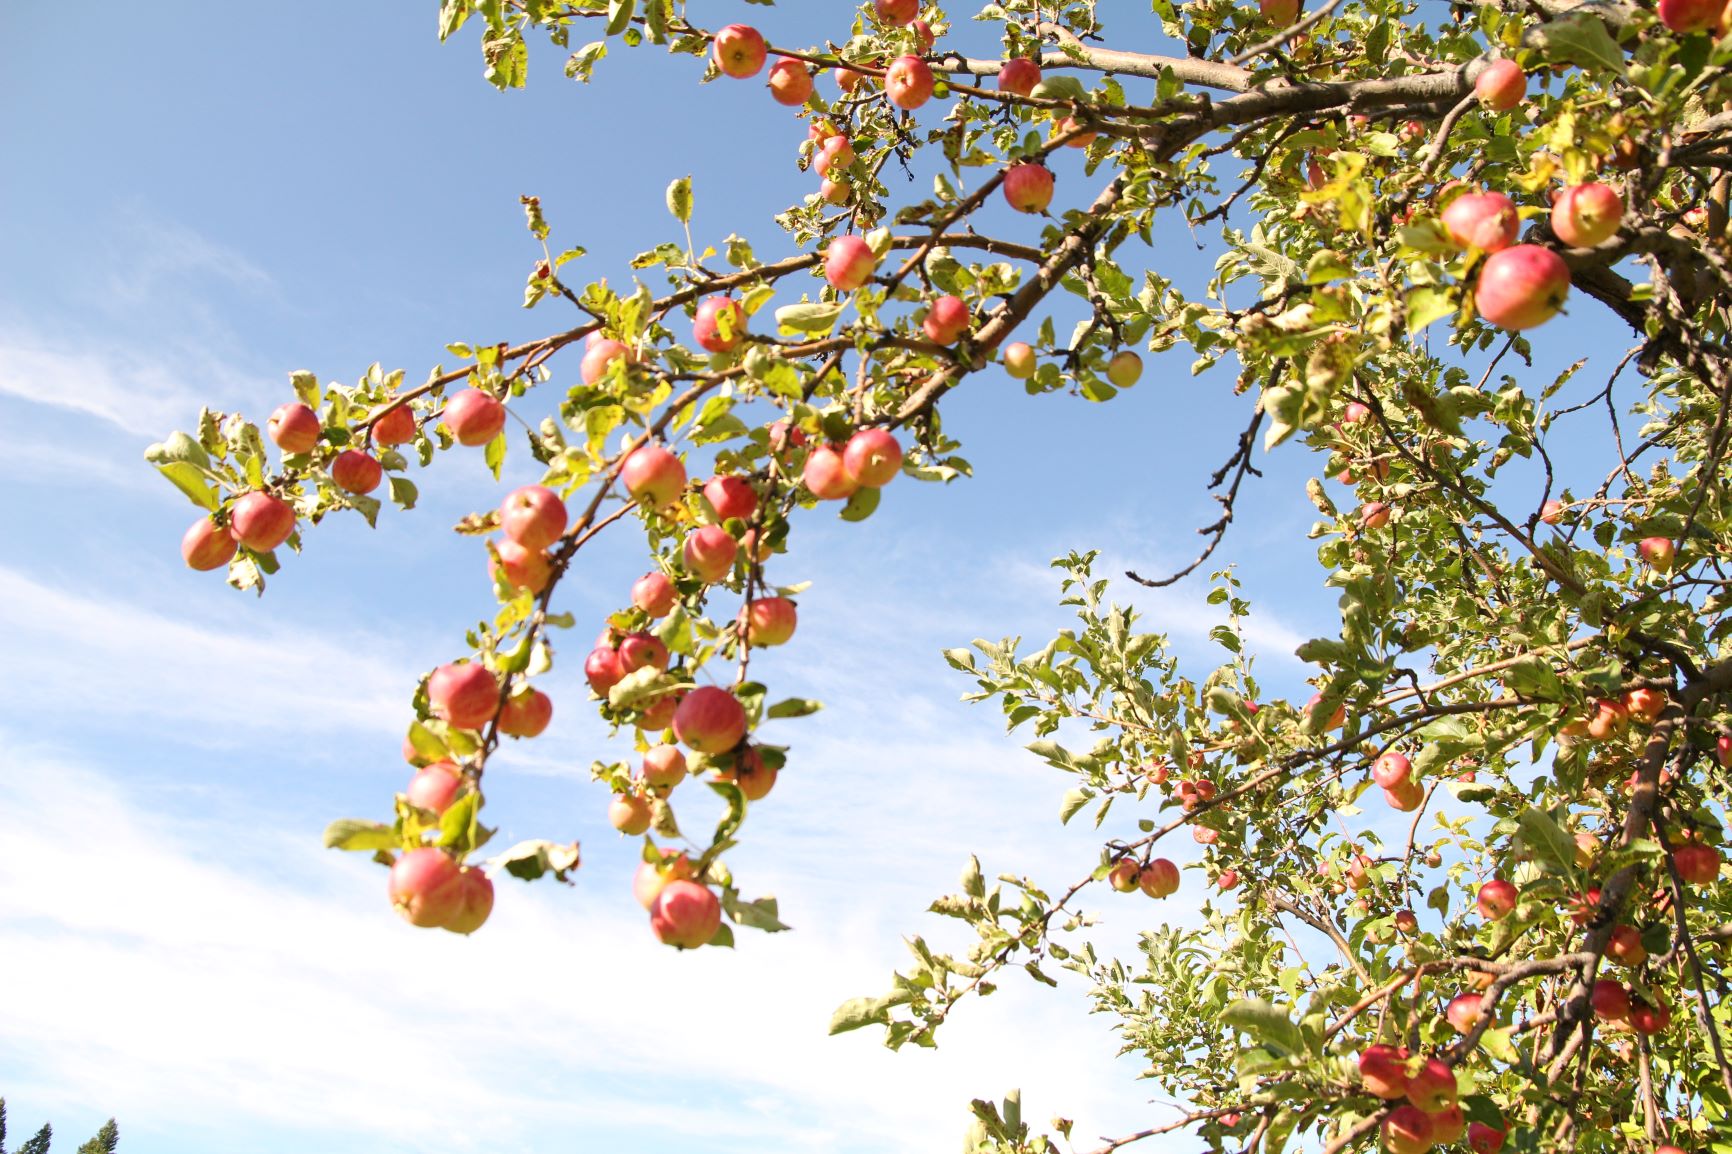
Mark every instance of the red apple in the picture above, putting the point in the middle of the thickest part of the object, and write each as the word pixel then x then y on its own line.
pixel 685 914
pixel 1124 876
pixel 873 458
pixel 474 417
pixel 848 79
pixel 1584 906
pixel 1552 512
pixel 1019 361
pixel 1611 1001
pixel 720 325
pixel 1697 864
pixel 908 82
pixel 1125 369
pixel 1447 1125
pixel 1432 1086
pixel 1502 85
pixel 1406 922
pixel 435 787
pixel 533 516
pixel 1280 13
pixel 835 154
pixel 1018 75
pixel 896 12
pixel 1071 124
pixel 1484 220
pixel 1608 720
pixel 1687 16
pixel 1625 947
pixel 1408 796
pixel 740 50
pixel 731 497
pixel 1391 770
pixel 752 774
pixel 769 621
pixel 425 887
pixel 1406 1130
pixel 356 472
pixel 641 650
pixel 526 713
pixel 394 426
pixel 1496 900
pixel 1483 1139
pixel 710 720
pixel 790 83
pixel 946 320
pixel 1383 1072
pixel 652 877
pixel 1650 1018
pixel 654 594
pixel 294 427
pixel 924 37
pixel 664 767
pixel 1583 215
pixel 658 714
pixel 1354 413
pixel 1645 704
pixel 826 475
pixel 602 669
pixel 834 191
pixel 1228 880
pixel 653 476
pixel 1659 553
pixel 206 546
pixel 1522 286
pixel 848 263
pixel 1463 1012
pixel 710 552
pixel 527 569
pixel 1159 879
pixel 1374 515
pixel 464 694
pixel 599 358
pixel 260 521
pixel 630 813
pixel 1028 187
pixel 476 902
pixel 1336 719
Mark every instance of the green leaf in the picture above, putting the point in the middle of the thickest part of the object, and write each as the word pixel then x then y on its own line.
pixel 1266 1022
pixel 190 480
pixel 857 1012
pixel 1074 800
pixel 404 492
pixel 972 883
pixel 530 860
pixel 1427 303
pixel 861 505
pixel 815 317
pixel 355 835
pixel 1060 88
pixel 794 707
pixel 1581 39
pixel 680 199
pixel 427 743
pixel 1551 841
pixel 619 14
pixel 455 822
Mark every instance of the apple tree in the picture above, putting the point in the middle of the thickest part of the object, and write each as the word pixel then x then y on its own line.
pixel 1531 655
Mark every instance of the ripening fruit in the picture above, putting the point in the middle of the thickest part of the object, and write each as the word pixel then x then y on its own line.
pixel 1487 221
pixel 652 877
pixel 641 651
pixel 740 50
pixel 709 553
pixel 1552 511
pixel 1071 124
pixel 533 516
pixel 1611 1001
pixel 1374 515
pixel 664 767
pixel 1336 719
pixel 1028 187
pixel 394 427
pixel 435 787
pixel 653 476
pixel 1406 1130
pixel 710 720
pixel 654 594
pixel 834 155
pixel 464 694
pixel 1463 1012
pixel 1609 719
pixel 1687 16
pixel 834 191
pixel 1432 1086
pixel 685 914
pixel 754 777
pixel 356 472
pixel 1447 1125
pixel 946 320
pixel 599 357
pixel 630 813
pixel 1502 85
pixel 1697 864
pixel 790 83
pixel 602 669
pixel 1522 286
pixel 1019 361
pixel 1280 13
pixel 1625 947
pixel 1406 796
pixel 1391 770
pixel 1406 922
pixel 731 497
pixel 525 713
pixel 908 82
pixel 769 621
pixel 473 417
pixel 873 458
pixel 1645 704
pixel 206 546
pixel 1124 876
pixel 425 887
pixel 658 714
pixel 896 12
pixel 1496 900
pixel 475 904
pixel 527 569
pixel 1659 553
pixel 1228 880
pixel 848 263
pixel 1583 215
pixel 1383 1072
pixel 1125 369
pixel 294 427
pixel 924 37
pixel 1483 1139
pixel 1650 1019
pixel 826 475
pixel 720 325
pixel 1159 879
pixel 1018 75
pixel 261 521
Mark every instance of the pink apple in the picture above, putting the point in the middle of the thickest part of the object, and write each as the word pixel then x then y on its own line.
pixel 1018 75
pixel 652 877
pixel 476 902
pixel 710 720
pixel 664 767
pixel 720 325
pixel 1019 361
pixel 1645 704
pixel 520 568
pixel 686 915
pixel 709 553
pixel 896 12
pixel 731 497
pixel 1071 124
pixel 1391 770
pixel 834 191
pixel 1280 13
pixel 1125 876
pixel 642 651
pixel 1522 286
pixel 1501 86
pixel 1228 880
pixel 740 50
pixel 1484 220
pixel 435 787
pixel 1552 512
pixel 657 715
pixel 356 472
pixel 1354 413
pixel 755 777
pixel 653 476
pixel 1374 515
pixel 294 427
pixel 394 426
pixel 924 37
pixel 1697 864
pixel 425 887
pixel 908 82
pixel 526 713
pixel 769 621
pixel 1028 187
pixel 834 155
pixel 654 594
pixel 1611 1001
pixel 1406 922
pixel 206 546
pixel 533 516
pixel 630 813
pixel 1658 552
pixel 873 458
pixel 474 417
pixel 1432 1086
pixel 847 79
pixel 1383 1072
pixel 261 521
pixel 1463 1012
pixel 1687 16
pixel 1159 879
pixel 1583 215
pixel 1625 946
pixel 848 263
pixel 826 475
pixel 1483 1139
pixel 1406 796
pixel 1336 719
pixel 946 320
pixel 1646 1018
pixel 602 669
pixel 464 694
pixel 1125 369
pixel 599 358
pixel 1447 1125
pixel 1496 899
pixel 790 83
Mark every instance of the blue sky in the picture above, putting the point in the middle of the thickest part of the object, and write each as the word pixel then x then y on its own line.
pixel 195 207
